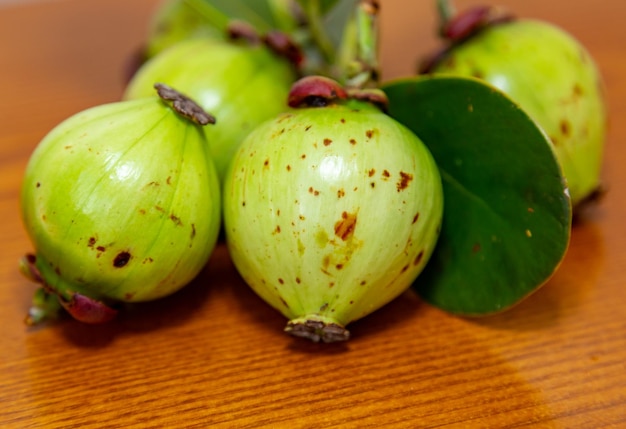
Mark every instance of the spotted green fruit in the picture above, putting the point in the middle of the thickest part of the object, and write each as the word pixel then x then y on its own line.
pixel 330 213
pixel 122 204
pixel 242 85
pixel 553 78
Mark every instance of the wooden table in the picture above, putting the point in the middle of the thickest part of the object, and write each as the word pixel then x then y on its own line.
pixel 214 355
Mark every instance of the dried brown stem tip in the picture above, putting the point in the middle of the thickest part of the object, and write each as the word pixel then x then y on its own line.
pixel 317 331
pixel 472 20
pixel 372 7
pixel 283 46
pixel 241 30
pixel 184 105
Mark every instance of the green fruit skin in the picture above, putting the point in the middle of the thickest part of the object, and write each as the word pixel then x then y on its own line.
pixel 241 86
pixel 554 79
pixel 318 218
pixel 128 181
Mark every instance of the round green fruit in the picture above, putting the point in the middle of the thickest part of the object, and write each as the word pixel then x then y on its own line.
pixel 551 76
pixel 331 212
pixel 122 204
pixel 242 85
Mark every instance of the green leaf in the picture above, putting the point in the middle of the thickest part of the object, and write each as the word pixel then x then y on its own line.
pixel 507 214
pixel 258 13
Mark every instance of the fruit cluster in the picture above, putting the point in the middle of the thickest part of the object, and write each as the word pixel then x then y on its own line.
pixel 335 192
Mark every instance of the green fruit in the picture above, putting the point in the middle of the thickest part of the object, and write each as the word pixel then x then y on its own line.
pixel 331 212
pixel 243 85
pixel 553 78
pixel 122 204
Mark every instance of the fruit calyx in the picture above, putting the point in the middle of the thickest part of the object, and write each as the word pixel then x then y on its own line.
pixel 184 105
pixel 463 25
pixel 317 330
pixel 277 41
pixel 321 91
pixel 458 27
pixel 47 300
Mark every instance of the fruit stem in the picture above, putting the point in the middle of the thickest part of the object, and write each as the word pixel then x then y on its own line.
pixel 45 306
pixel 314 21
pixel 362 70
pixel 446 11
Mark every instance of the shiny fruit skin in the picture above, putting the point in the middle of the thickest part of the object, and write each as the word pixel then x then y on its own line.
pixel 554 79
pixel 240 85
pixel 331 212
pixel 121 202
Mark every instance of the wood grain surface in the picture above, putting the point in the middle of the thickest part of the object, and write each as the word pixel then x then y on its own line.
pixel 214 354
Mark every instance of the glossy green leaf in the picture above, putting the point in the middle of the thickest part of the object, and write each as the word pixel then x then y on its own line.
pixel 507 213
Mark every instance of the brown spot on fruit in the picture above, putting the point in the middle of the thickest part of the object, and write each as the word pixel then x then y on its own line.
pixel 341 193
pixel 92 241
pixel 288 167
pixel 370 133
pixel 176 220
pixel 386 174
pixel 283 301
pixel 478 74
pixel 281 281
pixel 325 264
pixel 327 142
pixel 313 191
pixel 121 260
pixel 266 163
pixel 344 228
pixel 352 142
pixel 342 120
pixel 565 127
pixel 371 172
pixel 578 90
pixel 418 258
pixel 101 248
pixel 193 230
pixel 416 217
pixel 405 180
